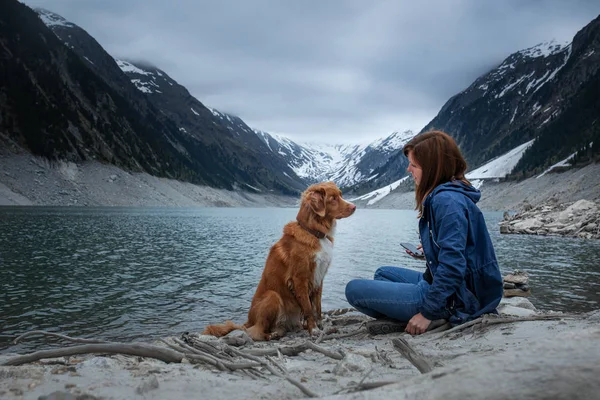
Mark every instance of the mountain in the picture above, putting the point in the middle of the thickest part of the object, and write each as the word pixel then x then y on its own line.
pixel 379 164
pixel 68 99
pixel 355 168
pixel 537 112
pixel 347 165
pixel 239 142
pixel 548 93
pixel 205 145
pixel 53 105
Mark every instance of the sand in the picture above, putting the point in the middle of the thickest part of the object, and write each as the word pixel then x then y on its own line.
pixel 525 360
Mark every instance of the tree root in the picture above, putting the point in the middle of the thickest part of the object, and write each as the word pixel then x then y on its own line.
pixel 488 320
pixel 295 350
pixel 411 355
pixel 58 335
pixel 132 349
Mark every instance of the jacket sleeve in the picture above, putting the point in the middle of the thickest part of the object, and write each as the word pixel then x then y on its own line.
pixel 451 224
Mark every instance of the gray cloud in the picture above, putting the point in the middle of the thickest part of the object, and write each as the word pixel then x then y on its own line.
pixel 335 71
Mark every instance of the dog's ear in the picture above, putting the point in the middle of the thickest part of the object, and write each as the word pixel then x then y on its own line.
pixel 316 200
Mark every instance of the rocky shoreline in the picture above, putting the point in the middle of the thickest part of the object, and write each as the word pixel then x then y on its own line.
pixel 26 180
pixel 520 354
pixel 580 219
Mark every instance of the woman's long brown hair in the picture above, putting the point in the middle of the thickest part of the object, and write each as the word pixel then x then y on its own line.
pixel 440 159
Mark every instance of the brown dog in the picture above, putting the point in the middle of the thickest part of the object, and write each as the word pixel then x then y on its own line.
pixel 289 292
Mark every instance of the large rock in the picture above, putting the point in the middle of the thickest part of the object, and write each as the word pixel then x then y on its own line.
pixel 579 219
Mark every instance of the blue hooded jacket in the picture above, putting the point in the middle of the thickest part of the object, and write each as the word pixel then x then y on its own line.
pixel 459 252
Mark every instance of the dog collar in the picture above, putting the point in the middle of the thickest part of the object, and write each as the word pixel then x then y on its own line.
pixel 315 233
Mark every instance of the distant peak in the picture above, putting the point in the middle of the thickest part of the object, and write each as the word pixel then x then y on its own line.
pixel 52 19
pixel 544 49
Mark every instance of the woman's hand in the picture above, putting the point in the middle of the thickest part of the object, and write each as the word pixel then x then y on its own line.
pixel 417 256
pixel 417 325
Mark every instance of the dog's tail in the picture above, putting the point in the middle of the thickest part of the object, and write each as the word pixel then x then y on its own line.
pixel 221 329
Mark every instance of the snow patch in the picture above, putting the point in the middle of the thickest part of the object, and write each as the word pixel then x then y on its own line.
pixel 51 19
pixel 141 86
pixel 544 49
pixel 379 194
pixel 500 166
pixel 128 67
pixel 562 163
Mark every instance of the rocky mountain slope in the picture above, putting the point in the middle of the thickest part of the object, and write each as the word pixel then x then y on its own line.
pixel 541 101
pixel 353 167
pixel 549 93
pixel 299 163
pixel 66 98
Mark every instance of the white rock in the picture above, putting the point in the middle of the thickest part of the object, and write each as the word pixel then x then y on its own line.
pixel 351 363
pixel 577 208
pixel 520 302
pixel 507 309
pixel 530 223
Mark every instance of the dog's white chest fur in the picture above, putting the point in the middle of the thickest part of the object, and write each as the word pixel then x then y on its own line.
pixel 323 259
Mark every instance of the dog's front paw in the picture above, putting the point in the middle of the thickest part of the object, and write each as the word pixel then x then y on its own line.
pixel 316 332
pixel 276 335
pixel 310 325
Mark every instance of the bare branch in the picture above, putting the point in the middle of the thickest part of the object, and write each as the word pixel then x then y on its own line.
pixel 328 353
pixel 345 335
pixel 132 349
pixel 411 355
pixel 294 350
pixel 487 320
pixel 58 335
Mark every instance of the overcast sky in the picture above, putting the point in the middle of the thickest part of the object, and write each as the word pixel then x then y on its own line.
pixel 337 71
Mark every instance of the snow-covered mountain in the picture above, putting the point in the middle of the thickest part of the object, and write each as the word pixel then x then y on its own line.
pixel 188 141
pixel 538 110
pixel 537 92
pixel 347 165
pixel 536 97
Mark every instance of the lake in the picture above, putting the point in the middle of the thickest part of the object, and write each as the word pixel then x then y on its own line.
pixel 141 273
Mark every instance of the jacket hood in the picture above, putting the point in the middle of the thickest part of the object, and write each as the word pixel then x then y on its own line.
pixel 457 186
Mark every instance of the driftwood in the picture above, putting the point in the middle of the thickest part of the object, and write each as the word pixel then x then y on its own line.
pixel 176 354
pixel 345 335
pixel 295 350
pixel 58 335
pixel 257 362
pixel 488 320
pixel 132 349
pixel 411 355
pixel 339 311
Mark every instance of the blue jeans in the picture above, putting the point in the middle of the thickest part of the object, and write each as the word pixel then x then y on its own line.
pixel 395 293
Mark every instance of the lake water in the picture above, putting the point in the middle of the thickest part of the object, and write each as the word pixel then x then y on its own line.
pixel 140 273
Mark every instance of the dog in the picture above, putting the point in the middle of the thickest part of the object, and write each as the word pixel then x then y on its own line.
pixel 288 296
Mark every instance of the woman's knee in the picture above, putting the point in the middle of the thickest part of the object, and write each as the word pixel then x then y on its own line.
pixel 384 273
pixel 354 290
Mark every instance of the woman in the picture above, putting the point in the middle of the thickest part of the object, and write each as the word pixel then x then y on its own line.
pixel 462 280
